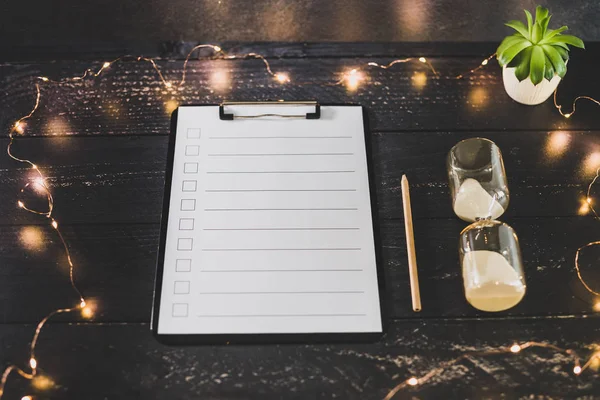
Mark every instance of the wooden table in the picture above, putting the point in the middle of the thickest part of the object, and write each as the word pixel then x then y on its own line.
pixel 103 142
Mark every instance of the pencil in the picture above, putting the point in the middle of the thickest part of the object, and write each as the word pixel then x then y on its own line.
pixel 410 247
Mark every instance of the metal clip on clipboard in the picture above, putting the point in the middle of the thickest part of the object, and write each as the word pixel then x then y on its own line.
pixel 230 116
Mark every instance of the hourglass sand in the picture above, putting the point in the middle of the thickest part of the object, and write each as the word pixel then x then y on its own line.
pixel 489 250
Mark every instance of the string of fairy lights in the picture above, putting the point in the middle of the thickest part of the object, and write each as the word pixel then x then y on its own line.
pixel 352 79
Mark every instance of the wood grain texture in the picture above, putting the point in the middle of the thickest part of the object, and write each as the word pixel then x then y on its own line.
pixel 101 179
pixel 124 361
pixel 116 267
pixel 130 100
pixel 72 27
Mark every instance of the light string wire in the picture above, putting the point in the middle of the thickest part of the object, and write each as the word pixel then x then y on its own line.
pixel 351 79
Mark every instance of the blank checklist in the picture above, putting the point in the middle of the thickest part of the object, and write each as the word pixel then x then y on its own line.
pixel 269 227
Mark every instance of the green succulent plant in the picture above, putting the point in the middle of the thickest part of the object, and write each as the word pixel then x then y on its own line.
pixel 536 51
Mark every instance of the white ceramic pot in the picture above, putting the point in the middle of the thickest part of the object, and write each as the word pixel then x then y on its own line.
pixel 525 92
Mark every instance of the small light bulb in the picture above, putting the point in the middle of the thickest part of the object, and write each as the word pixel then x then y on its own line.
pixel 282 78
pixel 515 348
pixel 589 200
pixel 17 124
pixel 484 62
pixel 413 381
pixel 27 398
pixel 422 59
pixel 577 370
pixel 568 115
pixel 34 166
pixel 32 363
pixel 106 65
pixel 217 48
pixel 44 78
pixel 82 304
pixel 54 224
pixel 168 84
pixel 20 203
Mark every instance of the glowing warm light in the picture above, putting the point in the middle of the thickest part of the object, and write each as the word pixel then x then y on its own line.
pixel 584 209
pixel 568 115
pixel 515 348
pixel 220 80
pixel 217 49
pixel 32 237
pixel 591 163
pixel 82 304
pixel 282 77
pixel 577 370
pixel 33 363
pixel 34 166
pixel 413 381
pixel 423 59
pixel 419 79
pixel 26 398
pixel 43 78
pixel 171 105
pixel 20 203
pixel 54 224
pixel 484 62
pixel 478 97
pixel 106 65
pixel 353 79
pixel 20 127
pixel 557 144
pixel 168 84
pixel 87 312
pixel 42 382
pixel 596 306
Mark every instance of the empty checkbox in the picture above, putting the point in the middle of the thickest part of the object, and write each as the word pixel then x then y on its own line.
pixel 183 265
pixel 185 244
pixel 181 287
pixel 188 204
pixel 189 186
pixel 190 168
pixel 192 150
pixel 186 224
pixel 180 310
pixel 193 133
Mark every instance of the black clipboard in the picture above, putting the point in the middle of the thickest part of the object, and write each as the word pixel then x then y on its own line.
pixel 266 338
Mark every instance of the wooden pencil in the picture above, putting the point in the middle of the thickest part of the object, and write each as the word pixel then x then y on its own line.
pixel 410 247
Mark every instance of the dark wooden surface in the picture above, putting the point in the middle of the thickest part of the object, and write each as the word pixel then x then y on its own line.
pixel 60 28
pixel 103 142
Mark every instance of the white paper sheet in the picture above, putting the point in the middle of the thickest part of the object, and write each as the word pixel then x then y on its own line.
pixel 269 228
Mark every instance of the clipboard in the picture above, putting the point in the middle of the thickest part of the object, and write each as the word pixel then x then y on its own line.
pixel 261 328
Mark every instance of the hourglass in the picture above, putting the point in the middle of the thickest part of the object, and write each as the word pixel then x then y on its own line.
pixel 490 255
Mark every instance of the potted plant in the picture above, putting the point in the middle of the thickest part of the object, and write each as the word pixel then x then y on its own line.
pixel 534 59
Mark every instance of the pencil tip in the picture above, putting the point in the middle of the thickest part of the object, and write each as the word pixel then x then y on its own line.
pixel 404 178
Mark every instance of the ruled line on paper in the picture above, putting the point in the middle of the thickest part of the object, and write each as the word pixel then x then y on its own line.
pixel 277 315
pixel 313 292
pixel 292 249
pixel 277 154
pixel 280 209
pixel 280 137
pixel 281 229
pixel 280 172
pixel 276 190
pixel 282 270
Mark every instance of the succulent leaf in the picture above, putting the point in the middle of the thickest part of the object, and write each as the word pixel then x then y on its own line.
pixel 529 22
pixel 556 60
pixel 507 42
pixel 519 27
pixel 537 65
pixel 522 70
pixel 540 13
pixel 510 53
pixel 567 39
